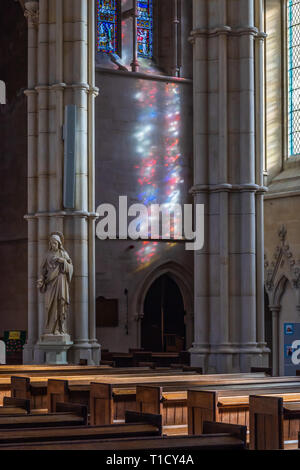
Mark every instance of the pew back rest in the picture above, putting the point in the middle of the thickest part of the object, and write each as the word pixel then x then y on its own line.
pixel 212 427
pixel 101 404
pixel 135 417
pixel 9 402
pixel 266 422
pixel 74 408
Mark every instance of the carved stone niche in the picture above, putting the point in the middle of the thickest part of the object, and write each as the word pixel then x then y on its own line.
pixel 281 269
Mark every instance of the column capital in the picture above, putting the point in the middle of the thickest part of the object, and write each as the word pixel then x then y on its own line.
pixel 32 13
pixel 227 30
pixel 275 309
pixel 226 187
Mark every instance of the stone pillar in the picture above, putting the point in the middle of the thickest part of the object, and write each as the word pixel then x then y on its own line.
pixel 64 61
pixel 227 180
pixel 32 13
pixel 275 309
pixel 260 169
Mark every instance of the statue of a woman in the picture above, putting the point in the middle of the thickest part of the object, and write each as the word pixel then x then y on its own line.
pixel 56 271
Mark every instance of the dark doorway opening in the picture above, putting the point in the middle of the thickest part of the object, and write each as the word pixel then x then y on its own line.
pixel 163 327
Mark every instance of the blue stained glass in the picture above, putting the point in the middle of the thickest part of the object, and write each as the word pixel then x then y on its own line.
pixel 107 25
pixel 293 17
pixel 145 28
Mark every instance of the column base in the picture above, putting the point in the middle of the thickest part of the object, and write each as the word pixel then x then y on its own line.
pixel 35 354
pixel 54 348
pixel 229 358
pixel 28 353
pixel 91 351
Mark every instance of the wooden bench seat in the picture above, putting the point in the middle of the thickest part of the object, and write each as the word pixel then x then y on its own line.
pixel 218 437
pixel 274 422
pixel 66 414
pixel 136 425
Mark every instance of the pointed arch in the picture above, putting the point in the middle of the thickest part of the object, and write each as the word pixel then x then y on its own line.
pixel 184 280
pixel 182 277
pixel 278 291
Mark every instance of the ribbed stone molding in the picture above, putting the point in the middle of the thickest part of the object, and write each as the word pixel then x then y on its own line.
pixel 228 40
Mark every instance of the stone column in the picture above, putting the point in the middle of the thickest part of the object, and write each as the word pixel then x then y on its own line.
pixel 275 309
pixel 260 168
pixel 31 13
pixel 201 178
pixel 227 179
pixel 65 64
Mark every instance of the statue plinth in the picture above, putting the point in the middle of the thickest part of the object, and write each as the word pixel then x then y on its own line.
pixel 56 348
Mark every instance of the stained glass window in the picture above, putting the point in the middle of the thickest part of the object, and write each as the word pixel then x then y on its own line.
pixel 107 26
pixel 293 17
pixel 145 28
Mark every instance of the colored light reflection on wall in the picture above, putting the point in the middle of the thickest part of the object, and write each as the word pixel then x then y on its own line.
pixel 157 139
pixel 172 157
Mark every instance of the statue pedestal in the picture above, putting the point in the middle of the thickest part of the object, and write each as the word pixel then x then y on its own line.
pixel 55 348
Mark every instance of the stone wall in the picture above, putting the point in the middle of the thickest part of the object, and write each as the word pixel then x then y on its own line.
pixel 282 202
pixel 13 169
pixel 134 141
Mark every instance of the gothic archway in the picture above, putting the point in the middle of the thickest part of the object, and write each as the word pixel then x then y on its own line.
pixel 184 281
pixel 163 323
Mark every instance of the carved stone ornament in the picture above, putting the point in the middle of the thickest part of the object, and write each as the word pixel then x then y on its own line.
pixel 32 13
pixel 282 256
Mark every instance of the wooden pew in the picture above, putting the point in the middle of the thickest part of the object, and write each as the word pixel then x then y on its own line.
pixel 171 402
pixel 9 370
pixel 59 390
pixel 36 388
pixel 21 387
pixel 218 437
pixel 274 422
pixel 136 425
pixel 109 401
pixel 229 406
pixel 38 375
pixel 66 414
pixel 169 399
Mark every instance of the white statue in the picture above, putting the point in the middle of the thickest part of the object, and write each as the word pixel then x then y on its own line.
pixel 56 271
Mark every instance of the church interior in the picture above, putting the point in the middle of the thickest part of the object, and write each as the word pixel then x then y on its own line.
pixel 119 334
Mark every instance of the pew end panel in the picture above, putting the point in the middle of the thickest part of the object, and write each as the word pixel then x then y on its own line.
pixel 149 399
pixel 74 408
pixel 57 391
pixel 202 406
pixel 101 404
pixel 266 422
pixel 212 427
pixel 20 387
